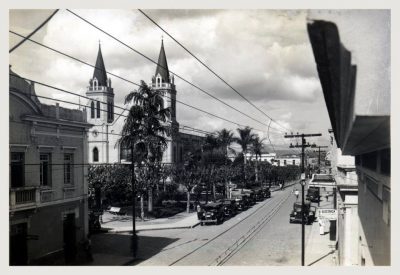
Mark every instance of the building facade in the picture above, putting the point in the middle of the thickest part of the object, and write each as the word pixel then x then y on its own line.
pixel 48 191
pixel 263 157
pixel 108 121
pixel 285 160
pixel 352 53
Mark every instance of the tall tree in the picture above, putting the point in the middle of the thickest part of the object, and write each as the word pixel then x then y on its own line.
pixel 245 139
pixel 146 129
pixel 256 147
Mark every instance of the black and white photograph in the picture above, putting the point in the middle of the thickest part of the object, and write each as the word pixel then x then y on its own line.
pixel 199 137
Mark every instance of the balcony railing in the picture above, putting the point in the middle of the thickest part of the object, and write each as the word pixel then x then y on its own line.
pixel 46 195
pixel 24 197
pixel 69 192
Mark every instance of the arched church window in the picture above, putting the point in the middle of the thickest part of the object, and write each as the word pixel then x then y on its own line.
pixel 158 81
pixel 98 109
pixel 92 109
pixel 95 154
pixel 95 83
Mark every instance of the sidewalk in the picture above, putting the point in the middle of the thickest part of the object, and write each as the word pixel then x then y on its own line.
pixel 320 250
pixel 119 224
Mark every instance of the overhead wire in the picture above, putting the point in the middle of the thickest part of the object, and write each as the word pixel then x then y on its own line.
pixel 185 104
pixel 151 60
pixel 126 80
pixel 33 32
pixel 211 70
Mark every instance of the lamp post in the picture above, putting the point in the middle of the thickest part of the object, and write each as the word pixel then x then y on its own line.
pixel 134 237
pixel 303 183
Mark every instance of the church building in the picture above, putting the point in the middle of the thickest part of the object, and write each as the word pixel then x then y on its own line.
pixel 108 123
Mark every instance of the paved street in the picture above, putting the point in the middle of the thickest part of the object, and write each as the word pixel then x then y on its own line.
pixel 204 245
pixel 262 235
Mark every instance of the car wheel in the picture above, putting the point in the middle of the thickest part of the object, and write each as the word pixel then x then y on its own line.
pixel 201 224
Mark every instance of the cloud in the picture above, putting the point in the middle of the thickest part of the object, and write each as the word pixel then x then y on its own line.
pixel 264 54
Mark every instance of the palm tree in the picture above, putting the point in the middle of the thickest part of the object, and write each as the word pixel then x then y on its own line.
pixel 225 138
pixel 257 146
pixel 245 139
pixel 145 130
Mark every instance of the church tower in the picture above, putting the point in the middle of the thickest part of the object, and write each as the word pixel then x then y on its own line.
pixel 164 82
pixel 100 112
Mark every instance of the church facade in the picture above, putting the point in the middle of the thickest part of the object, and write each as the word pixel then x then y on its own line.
pixel 108 121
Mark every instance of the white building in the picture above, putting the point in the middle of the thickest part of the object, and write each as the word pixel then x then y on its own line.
pixel 285 160
pixel 263 157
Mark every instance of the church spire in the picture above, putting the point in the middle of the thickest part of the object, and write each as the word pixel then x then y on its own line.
pixel 100 70
pixel 162 66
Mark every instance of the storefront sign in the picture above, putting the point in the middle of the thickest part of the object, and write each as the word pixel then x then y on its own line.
pixel 330 214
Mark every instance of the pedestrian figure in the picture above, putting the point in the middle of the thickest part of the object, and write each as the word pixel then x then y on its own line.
pixel 327 196
pixel 321 226
pixel 296 192
pixel 280 186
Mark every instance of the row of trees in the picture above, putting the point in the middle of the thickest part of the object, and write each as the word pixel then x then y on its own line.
pixel 212 167
pixel 156 181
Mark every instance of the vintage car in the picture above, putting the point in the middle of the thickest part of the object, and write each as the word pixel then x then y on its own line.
pixel 309 213
pixel 313 194
pixel 266 192
pixel 241 202
pixel 250 196
pixel 258 194
pixel 212 213
pixel 230 208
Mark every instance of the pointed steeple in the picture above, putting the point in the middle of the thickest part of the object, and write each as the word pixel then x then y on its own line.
pixel 162 66
pixel 100 70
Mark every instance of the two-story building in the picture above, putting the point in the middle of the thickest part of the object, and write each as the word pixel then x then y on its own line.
pixel 47 178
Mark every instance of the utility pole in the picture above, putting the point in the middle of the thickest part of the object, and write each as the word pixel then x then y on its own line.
pixel 303 145
pixel 319 156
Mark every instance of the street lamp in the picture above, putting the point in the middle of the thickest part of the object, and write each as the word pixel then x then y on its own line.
pixel 303 183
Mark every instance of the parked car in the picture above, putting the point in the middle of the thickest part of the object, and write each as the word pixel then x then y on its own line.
pixel 230 208
pixel 309 213
pixel 313 194
pixel 212 213
pixel 266 192
pixel 240 202
pixel 258 194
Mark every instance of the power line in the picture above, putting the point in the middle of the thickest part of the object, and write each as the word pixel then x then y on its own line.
pixel 151 60
pixel 124 79
pixel 102 110
pixel 212 71
pixel 32 33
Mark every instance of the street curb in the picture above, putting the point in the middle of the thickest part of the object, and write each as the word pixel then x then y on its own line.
pixel 175 227
pixel 154 228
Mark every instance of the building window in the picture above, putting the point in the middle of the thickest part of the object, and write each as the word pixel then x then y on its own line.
pixel 386 205
pixel 17 170
pixel 98 109
pixel 95 154
pixel 279 162
pixel 110 111
pixel 45 169
pixel 95 83
pixel 284 162
pixel 385 162
pixel 92 108
pixel 68 169
pixel 369 160
pixel 294 162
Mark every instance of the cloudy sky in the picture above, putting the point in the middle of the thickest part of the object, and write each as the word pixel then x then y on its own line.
pixel 264 54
